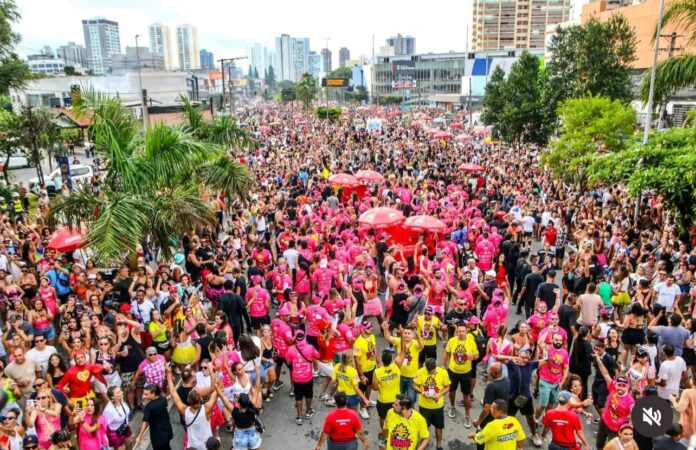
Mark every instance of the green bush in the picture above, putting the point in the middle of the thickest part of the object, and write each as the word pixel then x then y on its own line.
pixel 333 113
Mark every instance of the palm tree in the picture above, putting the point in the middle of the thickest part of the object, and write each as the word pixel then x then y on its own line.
pixel 678 72
pixel 152 190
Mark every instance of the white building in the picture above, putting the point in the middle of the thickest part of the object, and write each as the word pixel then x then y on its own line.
pixel 160 42
pixel 102 39
pixel 187 49
pixel 292 57
pixel 259 58
pixel 45 64
pixel 72 54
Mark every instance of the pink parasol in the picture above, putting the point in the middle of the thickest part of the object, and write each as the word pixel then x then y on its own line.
pixel 66 240
pixel 369 176
pixel 344 179
pixel 380 218
pixel 425 223
pixel 472 168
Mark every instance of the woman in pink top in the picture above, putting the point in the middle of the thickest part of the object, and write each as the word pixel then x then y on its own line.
pixel 258 303
pixel 346 336
pixel 48 294
pixel 45 417
pixel 91 429
pixel 498 345
pixel 294 309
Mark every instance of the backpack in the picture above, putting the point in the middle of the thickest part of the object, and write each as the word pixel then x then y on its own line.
pixel 481 341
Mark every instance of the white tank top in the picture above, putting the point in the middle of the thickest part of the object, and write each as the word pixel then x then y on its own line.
pixel 198 428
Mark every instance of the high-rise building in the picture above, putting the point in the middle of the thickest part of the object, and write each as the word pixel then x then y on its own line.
pixel 134 58
pixel 515 24
pixel 189 57
pixel 72 54
pixel 160 42
pixel 292 57
pixel 343 56
pixel 207 59
pixel 260 58
pixel 315 64
pixel 102 39
pixel 403 45
pixel 326 60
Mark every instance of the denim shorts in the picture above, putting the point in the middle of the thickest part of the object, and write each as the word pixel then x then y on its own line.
pixel 48 332
pixel 352 400
pixel 248 439
pixel 262 371
pixel 548 393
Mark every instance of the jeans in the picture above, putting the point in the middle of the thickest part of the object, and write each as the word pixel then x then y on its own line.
pixel 247 439
pixel 408 389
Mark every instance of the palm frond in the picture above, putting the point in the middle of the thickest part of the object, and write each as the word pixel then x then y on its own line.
pixel 225 132
pixel 80 207
pixel 671 75
pixel 681 15
pixel 226 175
pixel 193 116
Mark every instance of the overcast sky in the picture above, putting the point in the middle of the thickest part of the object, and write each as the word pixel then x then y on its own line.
pixel 229 27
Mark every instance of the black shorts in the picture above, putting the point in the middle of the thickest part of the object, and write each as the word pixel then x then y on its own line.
pixel 368 375
pixel 434 417
pixel 257 322
pixel 526 410
pixel 383 409
pixel 460 379
pixel 279 361
pixel 429 351
pixel 313 341
pixel 303 390
pixel 633 336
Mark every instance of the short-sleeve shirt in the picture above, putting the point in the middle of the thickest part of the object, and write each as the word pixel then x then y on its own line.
pixel 428 330
pixel 346 377
pixel 154 373
pixel 403 433
pixel 409 367
pixel 389 378
pixel 563 425
pixel 432 384
pixel 365 349
pixel 501 434
pixel 341 425
pixel 458 362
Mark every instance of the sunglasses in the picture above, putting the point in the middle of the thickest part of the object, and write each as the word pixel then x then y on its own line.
pixel 28 447
pixel 43 397
pixel 38 341
pixel 7 418
pixel 152 354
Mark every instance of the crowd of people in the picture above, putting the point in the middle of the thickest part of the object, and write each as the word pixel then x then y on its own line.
pixel 559 302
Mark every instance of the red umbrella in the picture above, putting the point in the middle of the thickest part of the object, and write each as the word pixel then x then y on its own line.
pixel 463 138
pixel 380 218
pixel 425 223
pixel 415 124
pixel 344 179
pixel 66 240
pixel 263 129
pixel 473 168
pixel 442 135
pixel 455 125
pixel 369 176
pixel 431 131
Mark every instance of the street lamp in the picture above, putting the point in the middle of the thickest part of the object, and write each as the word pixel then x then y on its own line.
pixel 140 82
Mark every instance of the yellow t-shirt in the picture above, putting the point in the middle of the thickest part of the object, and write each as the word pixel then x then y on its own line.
pixel 389 379
pixel 405 434
pixel 428 330
pixel 410 365
pixel 365 349
pixel 501 434
pixel 432 384
pixel 458 362
pixel 345 377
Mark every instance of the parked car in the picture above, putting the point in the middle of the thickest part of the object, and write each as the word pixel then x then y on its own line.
pixel 16 162
pixel 79 173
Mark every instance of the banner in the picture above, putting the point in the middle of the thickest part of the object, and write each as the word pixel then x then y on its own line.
pixel 64 165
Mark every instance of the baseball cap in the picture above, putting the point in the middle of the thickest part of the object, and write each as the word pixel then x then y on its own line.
pixel 564 397
pixel 490 273
pixel 30 440
pixel 622 380
pixel 125 307
pixel 473 320
pixel 428 309
pixel 151 351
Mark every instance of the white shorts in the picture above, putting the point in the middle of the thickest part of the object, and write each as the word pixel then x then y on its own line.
pixel 325 369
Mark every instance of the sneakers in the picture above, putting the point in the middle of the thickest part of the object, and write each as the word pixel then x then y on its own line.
pixel 323 397
pixel 364 414
pixel 536 440
pixel 460 403
pixel 309 413
pixel 330 402
pixel 315 373
pixel 372 404
pixel 298 420
pixel 467 422
pixel 292 392
pixel 278 385
pixel 452 412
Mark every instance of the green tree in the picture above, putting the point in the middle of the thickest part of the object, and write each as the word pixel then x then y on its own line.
pixel 9 140
pixel 360 94
pixel 306 90
pixel 256 73
pixel 591 126
pixel 678 72
pixel 153 188
pixel 14 73
pixel 37 132
pixel 71 71
pixel 667 164
pixel 342 72
pixel 494 99
pixel 521 119
pixel 270 78
pixel 223 131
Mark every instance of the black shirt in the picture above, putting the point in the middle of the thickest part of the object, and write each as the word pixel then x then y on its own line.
pixel 495 390
pixel 667 443
pixel 121 290
pixel 233 306
pixel 452 318
pixel 243 419
pixel 567 319
pixel 546 294
pixel 157 417
pixel 399 314
pixel 531 283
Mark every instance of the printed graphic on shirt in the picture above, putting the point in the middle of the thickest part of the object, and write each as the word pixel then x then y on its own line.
pixel 460 354
pixel 400 437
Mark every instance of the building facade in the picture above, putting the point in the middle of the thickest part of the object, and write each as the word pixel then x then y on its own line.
pixel 315 64
pixel 516 24
pixel 160 42
pixel 343 56
pixel 102 39
pixel 207 59
pixel 188 53
pixel 135 57
pixel 403 45
pixel 46 64
pixel 260 58
pixel 292 57
pixel 326 65
pixel 72 54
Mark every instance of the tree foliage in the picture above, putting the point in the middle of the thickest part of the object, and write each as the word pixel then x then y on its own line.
pixel 13 71
pixel 306 90
pixel 494 100
pixel 270 78
pixel 333 114
pixel 679 72
pixel 667 164
pixel 591 126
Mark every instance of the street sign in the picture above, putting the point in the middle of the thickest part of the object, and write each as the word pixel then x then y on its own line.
pixel 334 82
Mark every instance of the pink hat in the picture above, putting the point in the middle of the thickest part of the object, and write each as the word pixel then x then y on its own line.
pixel 256 279
pixel 473 320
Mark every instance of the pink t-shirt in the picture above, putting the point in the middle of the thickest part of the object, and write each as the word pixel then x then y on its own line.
pixel 345 339
pixel 538 322
pixel 302 284
pixel 259 306
pixel 485 250
pixel 557 361
pixel 301 365
pixel 494 317
pixel 232 357
pixel 317 319
pixel 282 336
pixel 618 408
pixel 323 278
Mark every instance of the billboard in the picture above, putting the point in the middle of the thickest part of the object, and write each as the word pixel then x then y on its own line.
pixel 403 70
pixel 334 82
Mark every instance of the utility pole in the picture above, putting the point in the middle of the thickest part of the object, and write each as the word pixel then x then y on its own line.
pixel 143 104
pixel 222 68
pixel 670 52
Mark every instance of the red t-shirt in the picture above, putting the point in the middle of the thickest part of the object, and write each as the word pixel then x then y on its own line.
pixel 563 425
pixel 341 425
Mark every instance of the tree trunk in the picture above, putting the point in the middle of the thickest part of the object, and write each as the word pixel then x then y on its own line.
pixel 4 172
